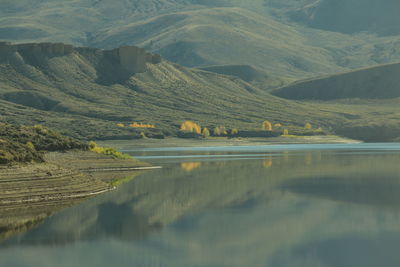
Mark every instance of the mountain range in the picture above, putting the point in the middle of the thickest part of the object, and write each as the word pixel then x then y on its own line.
pixel 288 40
pixel 225 62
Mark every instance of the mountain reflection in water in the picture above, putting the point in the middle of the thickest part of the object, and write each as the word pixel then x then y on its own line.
pixel 252 208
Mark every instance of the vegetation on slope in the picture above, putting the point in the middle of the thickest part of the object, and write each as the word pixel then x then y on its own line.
pixel 26 144
pixel 274 35
pixel 94 147
pixel 379 82
pixel 70 94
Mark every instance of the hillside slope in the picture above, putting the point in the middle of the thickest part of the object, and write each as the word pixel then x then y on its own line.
pixel 276 36
pixel 379 82
pixel 86 92
pixel 350 16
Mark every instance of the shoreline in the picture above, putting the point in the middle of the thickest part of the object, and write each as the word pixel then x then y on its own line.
pixel 224 141
pixel 33 191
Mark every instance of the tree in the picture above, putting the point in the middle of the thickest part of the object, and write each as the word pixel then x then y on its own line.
pixel 189 126
pixel 267 126
pixel 308 126
pixel 223 130
pixel 234 131
pixel 285 132
pixel 217 131
pixel 206 133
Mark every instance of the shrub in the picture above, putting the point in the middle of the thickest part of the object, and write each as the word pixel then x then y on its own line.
pixel 308 126
pixel 107 151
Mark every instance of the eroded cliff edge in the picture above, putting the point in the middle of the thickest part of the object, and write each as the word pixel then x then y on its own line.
pixel 126 60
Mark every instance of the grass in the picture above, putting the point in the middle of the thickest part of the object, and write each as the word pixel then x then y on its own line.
pixel 119 182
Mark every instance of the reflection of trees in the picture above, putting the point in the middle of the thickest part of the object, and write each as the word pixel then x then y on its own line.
pixel 162 197
pixel 268 163
pixel 190 166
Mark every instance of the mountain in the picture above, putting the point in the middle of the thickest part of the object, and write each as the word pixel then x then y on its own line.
pixel 375 90
pixel 351 16
pixel 289 40
pixel 379 82
pixel 87 92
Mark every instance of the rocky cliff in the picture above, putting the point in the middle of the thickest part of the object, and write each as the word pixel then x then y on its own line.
pixel 129 59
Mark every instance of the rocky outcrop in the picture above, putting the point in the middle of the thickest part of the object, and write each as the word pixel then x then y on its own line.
pixel 133 59
pixel 49 49
pixel 130 59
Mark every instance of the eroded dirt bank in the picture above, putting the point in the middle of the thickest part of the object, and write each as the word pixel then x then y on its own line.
pixel 32 192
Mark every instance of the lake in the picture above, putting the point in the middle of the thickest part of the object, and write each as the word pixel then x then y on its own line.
pixel 273 205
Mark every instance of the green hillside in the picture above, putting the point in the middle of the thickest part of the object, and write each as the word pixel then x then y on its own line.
pixel 289 40
pixel 86 92
pixel 379 82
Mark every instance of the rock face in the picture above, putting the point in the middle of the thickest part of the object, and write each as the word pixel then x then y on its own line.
pixel 130 59
pixel 38 49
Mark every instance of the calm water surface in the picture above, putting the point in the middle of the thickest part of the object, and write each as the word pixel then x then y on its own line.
pixel 278 206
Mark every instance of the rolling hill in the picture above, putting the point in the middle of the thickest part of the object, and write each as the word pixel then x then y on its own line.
pixel 85 92
pixel 289 40
pixel 375 90
pixel 379 82
pixel 351 16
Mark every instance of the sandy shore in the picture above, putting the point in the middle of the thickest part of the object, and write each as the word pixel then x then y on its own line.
pixel 32 192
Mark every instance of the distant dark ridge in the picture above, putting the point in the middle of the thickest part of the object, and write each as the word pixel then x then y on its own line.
pixel 351 16
pixel 380 82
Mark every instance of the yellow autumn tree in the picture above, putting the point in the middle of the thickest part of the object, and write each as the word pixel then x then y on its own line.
pixel 308 126
pixel 267 126
pixel 217 131
pixel 206 133
pixel 141 125
pixel 120 125
pixel 285 132
pixel 278 125
pixel 234 131
pixel 190 126
pixel 223 130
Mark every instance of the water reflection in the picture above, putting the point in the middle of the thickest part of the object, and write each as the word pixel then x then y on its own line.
pixel 190 166
pixel 368 190
pixel 293 208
